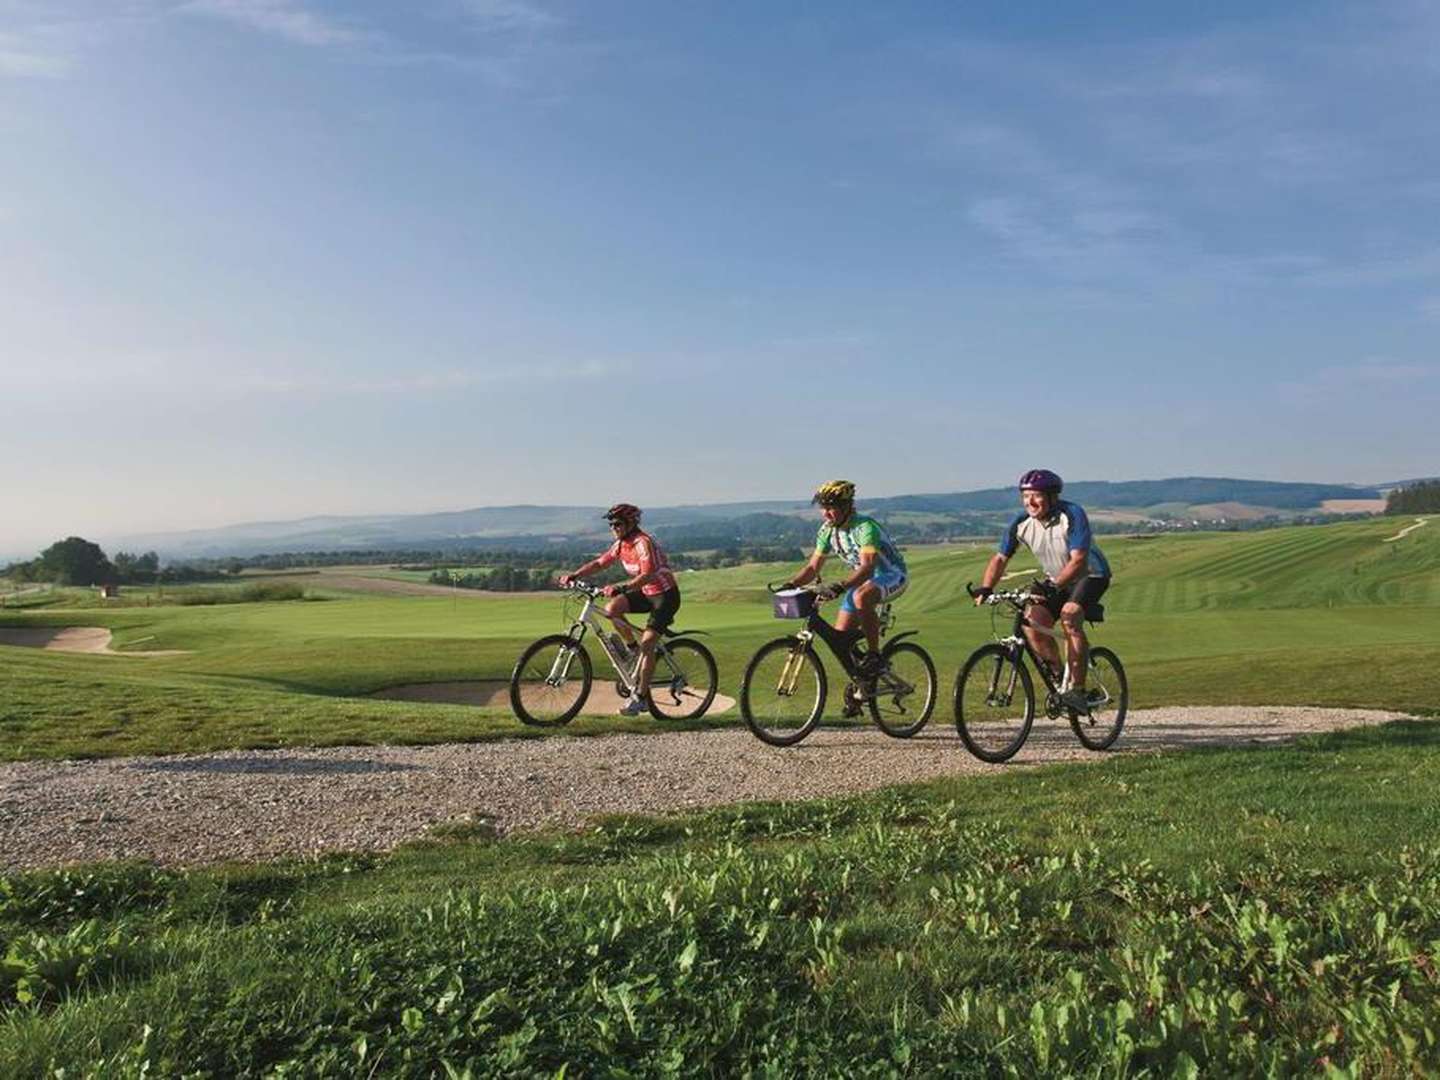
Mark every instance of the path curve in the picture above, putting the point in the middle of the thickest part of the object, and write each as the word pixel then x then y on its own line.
pixel 263 804
pixel 1419 521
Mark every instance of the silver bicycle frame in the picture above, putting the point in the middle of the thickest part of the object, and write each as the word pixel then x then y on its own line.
pixel 593 619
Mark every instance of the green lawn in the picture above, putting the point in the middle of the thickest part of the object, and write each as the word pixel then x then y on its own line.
pixel 1216 912
pixel 1270 911
pixel 1317 615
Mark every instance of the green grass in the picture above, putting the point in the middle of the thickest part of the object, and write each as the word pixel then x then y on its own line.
pixel 1216 912
pixel 1319 615
pixel 1211 913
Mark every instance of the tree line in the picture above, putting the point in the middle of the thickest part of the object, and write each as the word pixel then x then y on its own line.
pixel 510 577
pixel 1420 498
pixel 77 561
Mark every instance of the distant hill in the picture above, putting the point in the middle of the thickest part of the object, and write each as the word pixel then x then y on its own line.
pixel 718 524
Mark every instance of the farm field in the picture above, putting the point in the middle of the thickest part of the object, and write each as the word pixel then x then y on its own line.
pixel 1332 615
pixel 1216 912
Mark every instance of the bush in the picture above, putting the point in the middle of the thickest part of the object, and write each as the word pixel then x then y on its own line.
pixel 251 594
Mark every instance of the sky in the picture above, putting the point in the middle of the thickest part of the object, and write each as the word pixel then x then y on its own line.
pixel 265 259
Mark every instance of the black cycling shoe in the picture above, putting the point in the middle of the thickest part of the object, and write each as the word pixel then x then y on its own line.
pixel 852 706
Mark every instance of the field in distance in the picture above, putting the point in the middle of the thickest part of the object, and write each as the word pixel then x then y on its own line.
pixel 1330 615
pixel 1218 912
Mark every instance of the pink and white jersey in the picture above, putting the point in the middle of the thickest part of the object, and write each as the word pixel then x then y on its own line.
pixel 638 553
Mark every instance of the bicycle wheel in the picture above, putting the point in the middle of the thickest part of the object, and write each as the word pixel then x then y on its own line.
pixel 551 681
pixel 1109 696
pixel 994 703
pixel 904 696
pixel 683 684
pixel 782 693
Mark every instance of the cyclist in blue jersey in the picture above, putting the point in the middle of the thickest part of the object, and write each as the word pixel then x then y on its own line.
pixel 1076 573
pixel 877 570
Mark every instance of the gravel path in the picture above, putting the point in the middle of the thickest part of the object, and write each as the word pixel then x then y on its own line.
pixel 262 804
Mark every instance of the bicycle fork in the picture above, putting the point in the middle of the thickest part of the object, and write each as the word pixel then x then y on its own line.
pixel 998 698
pixel 560 667
pixel 794 664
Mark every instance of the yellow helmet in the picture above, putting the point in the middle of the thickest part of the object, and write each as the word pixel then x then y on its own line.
pixel 835 493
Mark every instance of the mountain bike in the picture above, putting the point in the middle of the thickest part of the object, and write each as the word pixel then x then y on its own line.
pixel 783 691
pixel 552 678
pixel 995 696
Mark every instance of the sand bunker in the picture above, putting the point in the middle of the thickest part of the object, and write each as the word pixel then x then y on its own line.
pixel 495 693
pixel 75 639
pixel 90 639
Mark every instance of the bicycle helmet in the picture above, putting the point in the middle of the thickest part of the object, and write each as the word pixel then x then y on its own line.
pixel 625 514
pixel 1042 480
pixel 834 493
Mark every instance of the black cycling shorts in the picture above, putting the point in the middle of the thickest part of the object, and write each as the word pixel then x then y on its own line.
pixel 1086 592
pixel 661 608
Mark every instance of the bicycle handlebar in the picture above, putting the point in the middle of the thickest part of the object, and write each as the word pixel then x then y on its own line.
pixel 1018 597
pixel 592 591
pixel 774 588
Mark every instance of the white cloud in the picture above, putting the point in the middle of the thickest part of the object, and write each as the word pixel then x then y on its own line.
pixel 164 373
pixel 283 18
pixel 511 15
pixel 21 60
pixel 1370 377
pixel 419 382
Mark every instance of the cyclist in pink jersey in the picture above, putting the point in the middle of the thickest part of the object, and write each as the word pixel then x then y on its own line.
pixel 650 589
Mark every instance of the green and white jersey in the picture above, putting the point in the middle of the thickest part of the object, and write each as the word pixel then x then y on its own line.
pixel 858 534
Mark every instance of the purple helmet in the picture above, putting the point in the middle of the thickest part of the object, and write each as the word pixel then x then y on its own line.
pixel 1042 480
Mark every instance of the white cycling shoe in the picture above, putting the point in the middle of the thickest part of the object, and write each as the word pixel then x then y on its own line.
pixel 636 706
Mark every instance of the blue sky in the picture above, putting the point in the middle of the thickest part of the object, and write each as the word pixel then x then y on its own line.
pixel 268 258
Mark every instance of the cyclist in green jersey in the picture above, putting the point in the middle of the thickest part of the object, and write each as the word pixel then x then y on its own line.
pixel 877 570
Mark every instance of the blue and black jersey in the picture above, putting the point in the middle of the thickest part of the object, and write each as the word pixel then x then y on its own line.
pixel 1052 539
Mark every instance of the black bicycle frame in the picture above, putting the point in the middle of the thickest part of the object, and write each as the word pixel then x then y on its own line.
pixel 842 642
pixel 1019 643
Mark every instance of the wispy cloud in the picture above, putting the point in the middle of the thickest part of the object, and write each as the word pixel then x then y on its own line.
pixel 288 19
pixel 20 59
pixel 513 15
pixel 422 382
pixel 231 373
pixel 1370 377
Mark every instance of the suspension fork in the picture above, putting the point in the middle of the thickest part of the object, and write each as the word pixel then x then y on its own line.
pixel 1016 655
pixel 794 663
pixel 560 667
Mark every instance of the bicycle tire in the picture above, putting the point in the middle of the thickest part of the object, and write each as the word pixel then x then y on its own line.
pixel 985 717
pixel 895 712
pixel 685 696
pixel 549 706
pixel 765 704
pixel 1102 726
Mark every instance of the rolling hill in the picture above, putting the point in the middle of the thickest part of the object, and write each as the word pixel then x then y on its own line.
pixel 922 515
